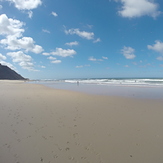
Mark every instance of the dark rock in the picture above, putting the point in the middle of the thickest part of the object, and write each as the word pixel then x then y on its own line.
pixel 9 74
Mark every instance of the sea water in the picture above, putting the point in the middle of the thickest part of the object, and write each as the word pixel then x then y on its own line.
pixel 128 87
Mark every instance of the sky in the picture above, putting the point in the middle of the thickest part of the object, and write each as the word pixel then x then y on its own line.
pixel 59 39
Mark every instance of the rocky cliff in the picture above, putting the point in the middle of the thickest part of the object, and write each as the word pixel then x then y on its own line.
pixel 9 74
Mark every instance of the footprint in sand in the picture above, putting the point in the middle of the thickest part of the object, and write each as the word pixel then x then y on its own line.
pixel 75 135
pixel 67 149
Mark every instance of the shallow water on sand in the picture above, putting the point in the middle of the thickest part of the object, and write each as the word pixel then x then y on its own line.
pixel 111 90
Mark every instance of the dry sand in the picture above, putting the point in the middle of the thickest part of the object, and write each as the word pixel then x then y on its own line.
pixel 40 124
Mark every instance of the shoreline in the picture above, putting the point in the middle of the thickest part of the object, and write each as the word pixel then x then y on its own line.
pixel 128 91
pixel 40 124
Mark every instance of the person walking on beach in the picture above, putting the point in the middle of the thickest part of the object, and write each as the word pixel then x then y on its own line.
pixel 78 83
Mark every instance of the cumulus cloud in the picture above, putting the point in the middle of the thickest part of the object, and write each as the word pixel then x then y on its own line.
pixel 26 43
pixel 138 8
pixel 64 52
pixel 12 30
pixel 94 59
pixel 8 64
pixel 83 34
pixel 54 60
pixel 158 46
pixel 128 52
pixel 54 14
pixel 19 57
pixel 25 61
pixel 2 57
pixel 26 4
pixel 10 27
pixel 72 43
pixel 46 54
pixel 61 53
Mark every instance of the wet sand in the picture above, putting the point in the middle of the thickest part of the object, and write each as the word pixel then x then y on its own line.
pixel 135 91
pixel 41 124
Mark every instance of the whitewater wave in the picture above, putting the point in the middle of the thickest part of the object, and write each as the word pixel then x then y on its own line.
pixel 133 82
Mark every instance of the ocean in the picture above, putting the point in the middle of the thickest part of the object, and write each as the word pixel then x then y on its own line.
pixel 128 87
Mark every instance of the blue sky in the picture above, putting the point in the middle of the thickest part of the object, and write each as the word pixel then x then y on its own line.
pixel 45 39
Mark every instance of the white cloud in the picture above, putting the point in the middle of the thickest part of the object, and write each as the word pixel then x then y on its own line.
pixel 26 43
pixel 158 46
pixel 72 43
pixel 64 52
pixel 10 27
pixel 27 65
pixel 8 64
pixel 54 14
pixel 26 4
pixel 61 53
pixel 138 8
pixel 97 40
pixel 94 59
pixel 19 57
pixel 30 14
pixel 2 57
pixel 45 30
pixel 54 60
pixel 25 61
pixel 128 52
pixel 81 66
pixel 89 26
pixel 104 57
pixel 160 58
pixel 135 63
pixel 83 34
pixel 12 30
pixel 46 54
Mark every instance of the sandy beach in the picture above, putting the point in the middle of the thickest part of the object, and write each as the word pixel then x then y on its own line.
pixel 40 124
